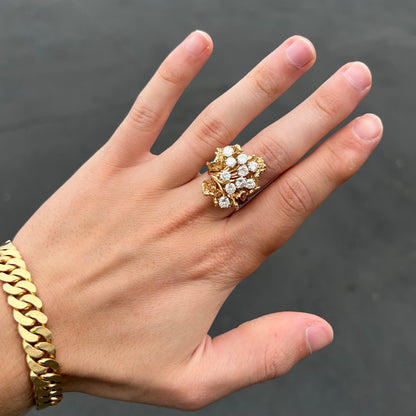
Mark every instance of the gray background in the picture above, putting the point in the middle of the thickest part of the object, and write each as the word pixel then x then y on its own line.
pixel 69 71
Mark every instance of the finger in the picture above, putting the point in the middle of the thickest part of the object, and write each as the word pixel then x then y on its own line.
pixel 256 351
pixel 284 142
pixel 275 214
pixel 225 117
pixel 137 133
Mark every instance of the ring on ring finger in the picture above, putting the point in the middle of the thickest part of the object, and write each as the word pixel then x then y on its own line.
pixel 234 176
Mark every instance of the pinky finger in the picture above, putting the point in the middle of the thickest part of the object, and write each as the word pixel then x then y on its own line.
pixel 137 133
pixel 284 205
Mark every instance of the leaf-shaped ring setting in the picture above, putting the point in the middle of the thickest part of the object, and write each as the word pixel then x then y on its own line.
pixel 234 176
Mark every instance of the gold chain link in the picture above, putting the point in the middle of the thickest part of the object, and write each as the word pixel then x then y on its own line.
pixel 31 324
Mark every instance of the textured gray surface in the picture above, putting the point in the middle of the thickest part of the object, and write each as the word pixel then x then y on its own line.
pixel 69 71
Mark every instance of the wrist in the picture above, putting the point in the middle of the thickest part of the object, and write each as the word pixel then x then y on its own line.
pixel 50 281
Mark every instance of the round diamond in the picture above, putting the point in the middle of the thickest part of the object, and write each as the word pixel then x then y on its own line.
pixel 243 170
pixel 250 184
pixel 253 166
pixel 227 151
pixel 230 188
pixel 240 182
pixel 242 159
pixel 225 175
pixel 224 202
pixel 230 162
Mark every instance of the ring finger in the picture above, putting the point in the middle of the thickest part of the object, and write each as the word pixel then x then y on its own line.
pixel 226 116
pixel 284 142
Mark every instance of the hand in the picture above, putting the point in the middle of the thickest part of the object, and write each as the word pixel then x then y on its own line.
pixel 133 262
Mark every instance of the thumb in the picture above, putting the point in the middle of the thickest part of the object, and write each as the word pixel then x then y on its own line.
pixel 256 351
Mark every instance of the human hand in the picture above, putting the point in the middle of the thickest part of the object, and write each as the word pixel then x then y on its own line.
pixel 133 262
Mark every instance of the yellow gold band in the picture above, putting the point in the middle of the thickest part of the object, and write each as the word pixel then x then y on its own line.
pixel 31 324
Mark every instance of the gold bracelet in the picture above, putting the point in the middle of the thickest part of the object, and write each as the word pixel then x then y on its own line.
pixel 31 324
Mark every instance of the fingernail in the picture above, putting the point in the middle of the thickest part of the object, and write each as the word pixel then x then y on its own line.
pixel 196 42
pixel 358 75
pixel 368 127
pixel 318 337
pixel 300 52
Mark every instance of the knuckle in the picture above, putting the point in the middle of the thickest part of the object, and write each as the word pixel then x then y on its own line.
pixel 234 253
pixel 275 155
pixel 265 83
pixel 272 362
pixel 228 261
pixel 341 162
pixel 226 248
pixel 295 195
pixel 143 116
pixel 190 397
pixel 171 74
pixel 212 131
pixel 327 104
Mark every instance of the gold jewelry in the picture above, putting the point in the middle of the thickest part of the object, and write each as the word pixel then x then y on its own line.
pixel 31 324
pixel 234 176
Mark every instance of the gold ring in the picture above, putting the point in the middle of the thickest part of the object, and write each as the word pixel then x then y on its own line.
pixel 234 176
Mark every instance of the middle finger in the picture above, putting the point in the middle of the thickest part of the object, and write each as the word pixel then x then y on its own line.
pixel 285 141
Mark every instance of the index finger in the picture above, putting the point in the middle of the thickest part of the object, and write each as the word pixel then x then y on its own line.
pixel 274 215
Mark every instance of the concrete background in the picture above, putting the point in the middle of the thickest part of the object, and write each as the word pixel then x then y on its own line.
pixel 69 70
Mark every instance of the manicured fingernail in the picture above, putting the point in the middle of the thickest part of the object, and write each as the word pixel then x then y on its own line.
pixel 358 75
pixel 368 127
pixel 300 52
pixel 318 337
pixel 196 42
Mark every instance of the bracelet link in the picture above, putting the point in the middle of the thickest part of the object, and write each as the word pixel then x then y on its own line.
pixel 31 325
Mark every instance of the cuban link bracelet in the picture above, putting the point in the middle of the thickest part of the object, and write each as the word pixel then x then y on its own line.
pixel 31 324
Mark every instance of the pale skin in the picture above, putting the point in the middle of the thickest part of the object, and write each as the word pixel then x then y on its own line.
pixel 132 261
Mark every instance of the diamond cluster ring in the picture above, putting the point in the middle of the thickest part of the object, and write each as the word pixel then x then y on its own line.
pixel 233 175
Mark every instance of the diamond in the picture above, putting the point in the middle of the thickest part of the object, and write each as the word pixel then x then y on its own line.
pixel 230 162
pixel 230 188
pixel 242 158
pixel 224 202
pixel 225 175
pixel 240 182
pixel 253 166
pixel 243 170
pixel 227 151
pixel 250 184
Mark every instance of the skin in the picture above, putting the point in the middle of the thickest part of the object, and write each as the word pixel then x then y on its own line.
pixel 132 261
